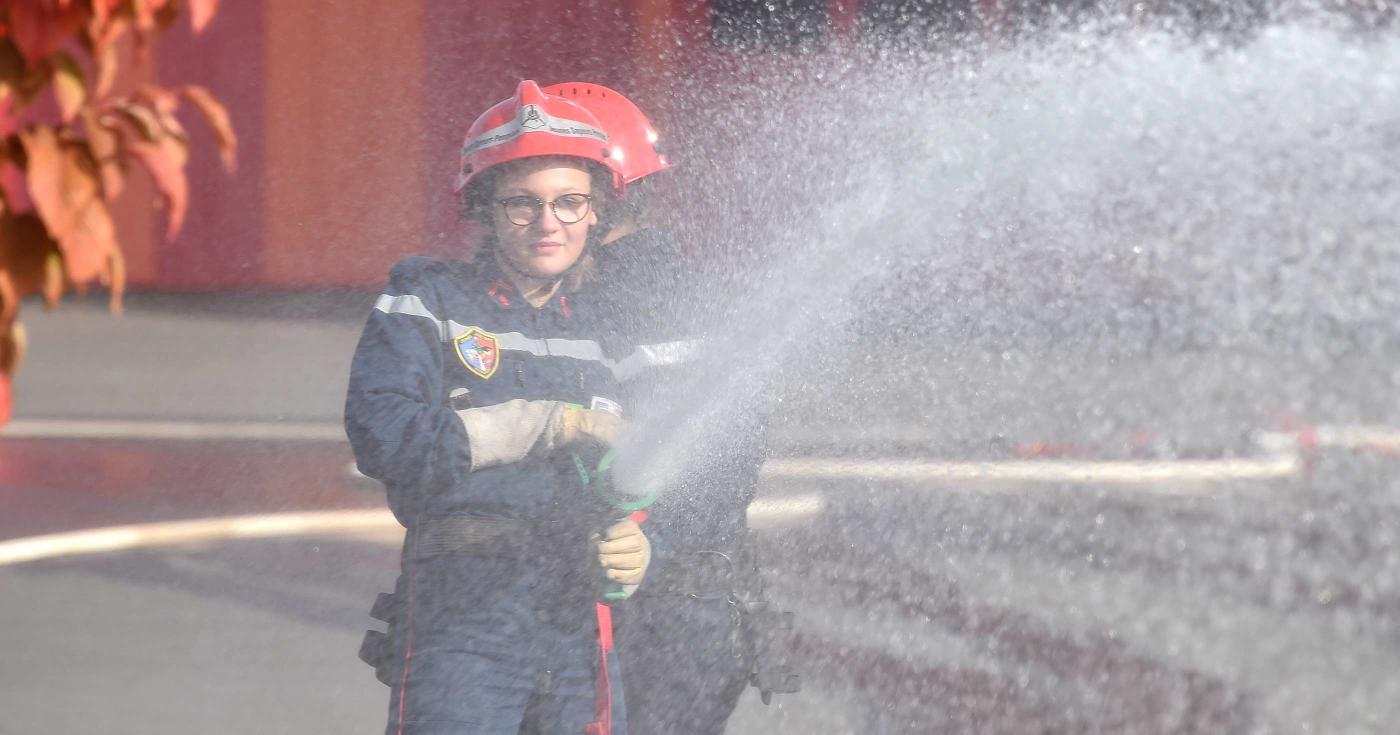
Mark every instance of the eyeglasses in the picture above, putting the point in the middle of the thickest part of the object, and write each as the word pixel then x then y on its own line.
pixel 568 209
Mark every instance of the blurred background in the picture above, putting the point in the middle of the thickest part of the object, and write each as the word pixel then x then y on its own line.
pixel 1078 322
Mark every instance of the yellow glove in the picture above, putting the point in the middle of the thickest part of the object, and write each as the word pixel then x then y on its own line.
pixel 578 425
pixel 625 553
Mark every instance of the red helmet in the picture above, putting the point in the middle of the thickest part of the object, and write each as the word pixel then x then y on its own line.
pixel 532 124
pixel 631 134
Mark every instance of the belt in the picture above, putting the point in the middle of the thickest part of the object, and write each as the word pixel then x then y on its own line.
pixel 502 538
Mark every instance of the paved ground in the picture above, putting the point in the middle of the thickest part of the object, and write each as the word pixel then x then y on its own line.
pixel 220 635
pixel 935 597
pixel 240 356
pixel 1007 608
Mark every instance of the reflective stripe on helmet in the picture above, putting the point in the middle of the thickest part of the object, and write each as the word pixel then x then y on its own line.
pixel 563 128
pixel 533 119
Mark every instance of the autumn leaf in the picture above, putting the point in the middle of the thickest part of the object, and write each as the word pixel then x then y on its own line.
pixel 12 184
pixel 68 86
pixel 217 116
pixel 39 31
pixel 60 182
pixel 143 23
pixel 11 70
pixel 102 10
pixel 140 118
pixel 65 192
pixel 163 103
pixel 105 146
pixel 167 14
pixel 32 262
pixel 202 13
pixel 12 348
pixel 115 279
pixel 101 43
pixel 55 281
pixel 144 14
pixel 165 162
pixel 9 297
pixel 105 63
pixel 22 260
pixel 87 249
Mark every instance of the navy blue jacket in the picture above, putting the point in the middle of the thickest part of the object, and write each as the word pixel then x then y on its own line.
pixel 449 335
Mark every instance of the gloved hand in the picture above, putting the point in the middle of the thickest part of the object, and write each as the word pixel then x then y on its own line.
pixel 511 431
pixel 625 553
pixel 580 425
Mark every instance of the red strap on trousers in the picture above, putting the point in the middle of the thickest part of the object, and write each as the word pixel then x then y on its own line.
pixel 602 703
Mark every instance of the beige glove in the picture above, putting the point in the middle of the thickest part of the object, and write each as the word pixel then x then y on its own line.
pixel 625 553
pixel 578 425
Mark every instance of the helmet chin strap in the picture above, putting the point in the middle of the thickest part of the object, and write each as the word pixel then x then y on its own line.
pixel 535 290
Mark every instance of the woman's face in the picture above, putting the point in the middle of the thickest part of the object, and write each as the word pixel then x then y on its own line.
pixel 547 247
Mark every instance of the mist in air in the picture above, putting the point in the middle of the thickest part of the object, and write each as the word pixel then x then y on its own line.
pixel 1072 330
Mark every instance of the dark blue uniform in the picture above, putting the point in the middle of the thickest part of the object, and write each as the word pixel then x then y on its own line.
pixel 480 638
pixel 678 636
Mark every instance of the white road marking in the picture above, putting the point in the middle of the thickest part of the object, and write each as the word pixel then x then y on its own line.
pixel 184 430
pixel 1364 437
pixel 177 533
pixel 771 512
pixel 1039 471
pixel 374 524
pixel 1168 477
pixel 1386 438
pixel 765 512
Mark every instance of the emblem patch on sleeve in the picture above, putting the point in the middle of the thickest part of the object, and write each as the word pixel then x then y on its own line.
pixel 479 351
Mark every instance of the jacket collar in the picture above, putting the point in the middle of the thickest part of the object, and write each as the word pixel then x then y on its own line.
pixel 506 296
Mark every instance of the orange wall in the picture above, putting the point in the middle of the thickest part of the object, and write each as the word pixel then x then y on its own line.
pixel 343 139
pixel 349 115
pixel 222 241
pixel 327 99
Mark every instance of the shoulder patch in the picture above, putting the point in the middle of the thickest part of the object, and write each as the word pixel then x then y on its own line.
pixel 479 350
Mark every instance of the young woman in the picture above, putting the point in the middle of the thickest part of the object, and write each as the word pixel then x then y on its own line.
pixel 472 385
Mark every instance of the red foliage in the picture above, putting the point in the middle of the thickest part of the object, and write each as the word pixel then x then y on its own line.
pixel 67 144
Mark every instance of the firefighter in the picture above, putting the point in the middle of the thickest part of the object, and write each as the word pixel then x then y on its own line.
pixel 685 640
pixel 472 384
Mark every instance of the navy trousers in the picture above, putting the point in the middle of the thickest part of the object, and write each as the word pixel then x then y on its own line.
pixel 684 661
pixel 482 648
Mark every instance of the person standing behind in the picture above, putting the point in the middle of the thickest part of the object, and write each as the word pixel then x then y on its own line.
pixel 681 639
